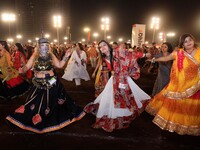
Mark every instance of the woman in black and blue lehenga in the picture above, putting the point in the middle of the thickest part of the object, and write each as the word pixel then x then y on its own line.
pixel 48 107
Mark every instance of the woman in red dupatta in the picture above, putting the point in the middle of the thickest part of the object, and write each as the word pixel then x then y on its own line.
pixel 121 100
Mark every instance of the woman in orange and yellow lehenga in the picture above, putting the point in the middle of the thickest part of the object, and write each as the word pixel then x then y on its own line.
pixel 177 107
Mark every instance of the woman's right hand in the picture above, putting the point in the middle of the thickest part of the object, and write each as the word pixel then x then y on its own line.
pixel 36 48
pixel 93 75
pixel 20 70
pixel 23 69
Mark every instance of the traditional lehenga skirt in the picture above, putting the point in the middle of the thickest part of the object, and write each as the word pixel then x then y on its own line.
pixel 10 89
pixel 108 117
pixel 176 115
pixel 46 109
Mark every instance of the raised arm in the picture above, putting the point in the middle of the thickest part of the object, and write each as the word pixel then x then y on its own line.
pixel 60 64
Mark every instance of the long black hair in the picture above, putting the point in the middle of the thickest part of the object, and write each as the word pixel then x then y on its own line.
pixel 169 45
pixel 4 43
pixel 80 46
pixel 20 48
pixel 110 50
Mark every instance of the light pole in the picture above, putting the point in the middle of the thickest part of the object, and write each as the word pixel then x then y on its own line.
pixel 83 40
pixel 105 26
pixel 154 25
pixel 88 34
pixel 120 39
pixel 19 37
pixel 57 25
pixel 10 40
pixel 108 37
pixel 95 36
pixel 8 17
pixel 37 38
pixel 47 36
pixel 29 41
pixel 65 39
pixel 170 36
pixel 69 34
pixel 162 37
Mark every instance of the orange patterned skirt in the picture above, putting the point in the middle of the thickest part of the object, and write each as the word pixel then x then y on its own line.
pixel 181 116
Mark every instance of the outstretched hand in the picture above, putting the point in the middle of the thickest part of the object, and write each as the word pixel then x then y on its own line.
pixel 68 52
pixel 36 48
pixel 152 60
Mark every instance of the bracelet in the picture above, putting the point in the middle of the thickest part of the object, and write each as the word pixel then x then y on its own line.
pixel 64 58
pixel 24 69
pixel 153 60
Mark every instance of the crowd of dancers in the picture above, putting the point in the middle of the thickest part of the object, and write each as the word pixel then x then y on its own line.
pixel 175 99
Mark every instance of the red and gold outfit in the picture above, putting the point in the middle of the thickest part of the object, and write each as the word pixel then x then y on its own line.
pixel 19 60
pixel 117 106
pixel 125 64
pixel 177 107
pixel 13 84
pixel 102 77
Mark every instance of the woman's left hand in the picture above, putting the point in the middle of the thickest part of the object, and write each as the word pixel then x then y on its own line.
pixel 82 62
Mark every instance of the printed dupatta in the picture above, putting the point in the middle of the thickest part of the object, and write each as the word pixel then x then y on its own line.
pixel 6 67
pixel 185 75
pixel 125 64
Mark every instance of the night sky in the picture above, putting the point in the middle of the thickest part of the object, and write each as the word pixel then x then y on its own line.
pixel 179 16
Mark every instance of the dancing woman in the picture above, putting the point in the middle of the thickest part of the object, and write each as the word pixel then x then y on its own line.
pixel 48 107
pixel 177 107
pixel 76 67
pixel 12 84
pixel 164 69
pixel 121 100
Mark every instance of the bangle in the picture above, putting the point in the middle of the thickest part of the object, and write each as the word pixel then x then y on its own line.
pixel 65 58
pixel 153 60
pixel 24 69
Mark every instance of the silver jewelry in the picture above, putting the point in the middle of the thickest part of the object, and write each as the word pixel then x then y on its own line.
pixel 64 58
pixel 153 60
